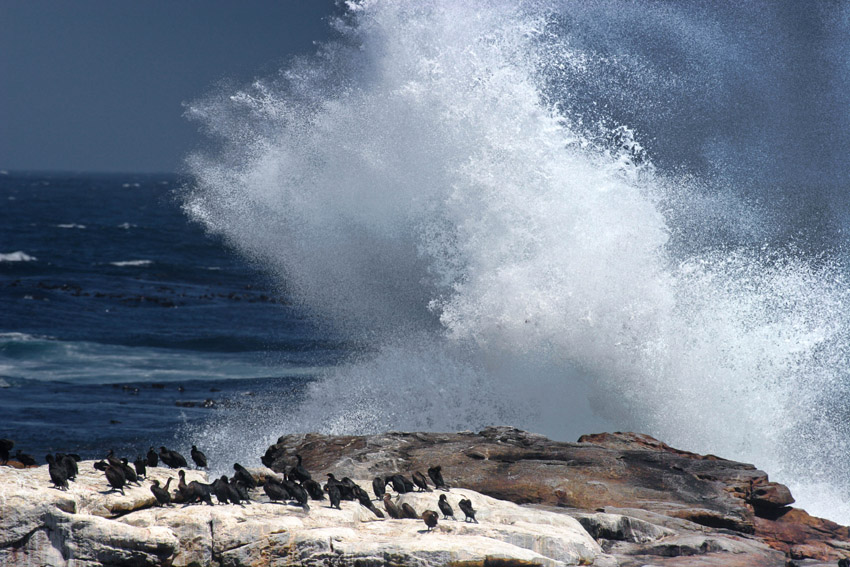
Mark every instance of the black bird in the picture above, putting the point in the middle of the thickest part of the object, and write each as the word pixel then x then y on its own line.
pixel 199 458
pixel 379 487
pixel 364 499
pixel 101 465
pixel 172 458
pixel 244 476
pixel 130 473
pixel 69 464
pixel 221 489
pixel 24 459
pixel 298 494
pixel 152 457
pixel 5 446
pixel 419 480
pixel 58 474
pixel 437 477
pixel 201 491
pixel 345 486
pixel 314 489
pixel 468 510
pixel 162 495
pixel 140 465
pixel 333 495
pixel 112 459
pixel 275 490
pixel 398 483
pixel 430 518
pixel 115 477
pixel 446 508
pixel 407 511
pixel 845 562
pixel 183 492
pixel 240 489
pixel 391 508
pixel 298 472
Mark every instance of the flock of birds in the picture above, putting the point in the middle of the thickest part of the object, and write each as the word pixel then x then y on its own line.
pixel 297 485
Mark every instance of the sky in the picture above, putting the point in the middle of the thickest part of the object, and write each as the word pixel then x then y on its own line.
pixel 100 85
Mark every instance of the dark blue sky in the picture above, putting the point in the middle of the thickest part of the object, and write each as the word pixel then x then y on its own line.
pixel 98 85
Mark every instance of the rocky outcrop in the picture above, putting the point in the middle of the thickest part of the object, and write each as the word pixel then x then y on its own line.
pixel 609 500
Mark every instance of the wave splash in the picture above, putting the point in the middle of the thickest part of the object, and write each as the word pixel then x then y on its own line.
pixel 502 254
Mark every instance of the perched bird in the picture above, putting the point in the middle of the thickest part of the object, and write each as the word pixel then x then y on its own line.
pixel 5 446
pixel 152 457
pixel 364 499
pixel 193 491
pixel 101 465
pixel 333 495
pixel 430 518
pixel 115 477
pixel 399 484
pixel 140 465
pixel 314 489
pixel 162 495
pixel 391 508
pixel 379 487
pixel 845 562
pixel 69 463
pixel 407 511
pixel 437 477
pixel 298 494
pixel 172 458
pixel 24 459
pixel 199 458
pixel 241 474
pixel 275 490
pixel 345 486
pixel 468 510
pixel 129 473
pixel 240 489
pixel 225 493
pixel 58 474
pixel 446 508
pixel 298 472
pixel 419 480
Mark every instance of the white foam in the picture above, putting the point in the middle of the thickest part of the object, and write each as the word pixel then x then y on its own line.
pixel 131 263
pixel 71 225
pixel 127 225
pixel 18 256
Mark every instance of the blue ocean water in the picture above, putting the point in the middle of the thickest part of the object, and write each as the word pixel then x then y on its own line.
pixel 119 318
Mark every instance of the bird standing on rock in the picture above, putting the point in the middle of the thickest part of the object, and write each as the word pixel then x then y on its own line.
pixel 391 508
pixel 436 475
pixel 115 477
pixel 58 474
pixel 172 458
pixel 298 472
pixel 5 446
pixel 162 495
pixel 430 518
pixel 468 510
pixel 242 475
pixel 24 459
pixel 379 487
pixel 419 480
pixel 199 458
pixel 152 457
pixel 141 467
pixel 407 511
pixel 446 508
pixel 333 495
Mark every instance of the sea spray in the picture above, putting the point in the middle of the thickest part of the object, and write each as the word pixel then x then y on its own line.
pixel 440 186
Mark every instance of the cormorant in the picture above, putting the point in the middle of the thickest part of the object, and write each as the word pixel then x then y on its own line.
pixel 240 489
pixel 69 464
pixel 199 458
pixel 152 457
pixel 333 495
pixel 58 474
pixel 419 480
pixel 446 508
pixel 391 508
pixel 101 465
pixel 379 487
pixel 437 477
pixel 468 510
pixel 5 446
pixel 225 493
pixel 162 495
pixel 24 459
pixel 398 483
pixel 115 477
pixel 140 465
pixel 298 494
pixel 298 472
pixel 364 499
pixel 129 473
pixel 407 511
pixel 275 490
pixel 172 458
pixel 314 489
pixel 430 518
pixel 244 476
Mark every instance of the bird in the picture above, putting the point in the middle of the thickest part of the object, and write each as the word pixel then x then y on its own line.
pixel 58 474
pixel 298 494
pixel 430 518
pixel 333 495
pixel 199 458
pixel 172 458
pixel 298 472
pixel 24 459
pixel 419 480
pixel 225 493
pixel 407 511
pixel 399 484
pixel 391 508
pixel 314 489
pixel 162 495
pixel 446 508
pixel 468 510
pixel 366 501
pixel 379 487
pixel 240 490
pixel 275 490
pixel 152 457
pixel 140 465
pixel 69 463
pixel 436 475
pixel 101 465
pixel 129 473
pixel 845 562
pixel 5 446
pixel 115 477
pixel 244 476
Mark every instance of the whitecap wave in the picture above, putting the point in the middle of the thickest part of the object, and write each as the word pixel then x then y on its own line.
pixel 131 263
pixel 19 256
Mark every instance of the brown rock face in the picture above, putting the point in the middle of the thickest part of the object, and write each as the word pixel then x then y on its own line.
pixel 617 471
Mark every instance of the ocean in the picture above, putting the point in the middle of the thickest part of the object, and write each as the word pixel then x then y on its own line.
pixel 564 216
